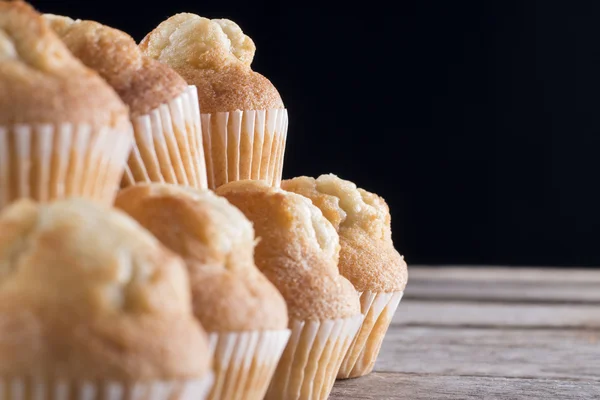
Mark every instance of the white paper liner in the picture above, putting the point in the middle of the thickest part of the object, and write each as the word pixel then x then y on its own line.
pixel 244 363
pixel 378 309
pixel 47 389
pixel 312 358
pixel 242 145
pixel 46 162
pixel 168 144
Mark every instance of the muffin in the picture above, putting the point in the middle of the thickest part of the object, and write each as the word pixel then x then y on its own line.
pixel 163 108
pixel 64 132
pixel 92 306
pixel 244 314
pixel 244 122
pixel 298 251
pixel 367 258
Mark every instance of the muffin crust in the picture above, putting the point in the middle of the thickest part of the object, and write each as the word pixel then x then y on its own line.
pixel 214 55
pixel 217 243
pixel 42 82
pixel 297 250
pixel 86 293
pixel 362 219
pixel 143 83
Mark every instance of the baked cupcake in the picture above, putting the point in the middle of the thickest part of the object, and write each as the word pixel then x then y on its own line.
pixel 298 251
pixel 367 258
pixel 163 108
pixel 63 131
pixel 244 122
pixel 92 306
pixel 244 314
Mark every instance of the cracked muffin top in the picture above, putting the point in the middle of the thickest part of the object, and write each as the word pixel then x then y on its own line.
pixel 87 293
pixel 217 243
pixel 215 56
pixel 362 219
pixel 298 250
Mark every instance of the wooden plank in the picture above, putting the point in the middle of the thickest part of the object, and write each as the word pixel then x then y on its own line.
pixel 426 313
pixel 390 386
pixel 504 285
pixel 506 292
pixel 510 274
pixel 519 353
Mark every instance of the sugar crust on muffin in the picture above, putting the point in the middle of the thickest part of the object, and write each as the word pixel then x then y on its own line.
pixel 215 56
pixel 42 82
pixel 298 250
pixel 143 83
pixel 217 243
pixel 87 293
pixel 362 219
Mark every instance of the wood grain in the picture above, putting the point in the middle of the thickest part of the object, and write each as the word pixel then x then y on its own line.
pixel 499 274
pixel 489 333
pixel 507 286
pixel 540 353
pixel 452 313
pixel 389 386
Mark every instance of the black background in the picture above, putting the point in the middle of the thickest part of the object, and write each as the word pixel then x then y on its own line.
pixel 476 120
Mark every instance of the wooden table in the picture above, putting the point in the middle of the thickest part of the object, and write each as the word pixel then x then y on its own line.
pixel 489 333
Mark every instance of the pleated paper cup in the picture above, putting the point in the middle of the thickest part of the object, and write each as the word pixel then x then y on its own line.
pixel 45 162
pixel 243 145
pixel 378 309
pixel 312 358
pixel 52 389
pixel 244 363
pixel 168 145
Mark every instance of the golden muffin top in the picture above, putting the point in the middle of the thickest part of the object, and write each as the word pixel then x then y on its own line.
pixel 217 243
pixel 42 82
pixel 143 83
pixel 215 56
pixel 93 295
pixel 298 250
pixel 362 219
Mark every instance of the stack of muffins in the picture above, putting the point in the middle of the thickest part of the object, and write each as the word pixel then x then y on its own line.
pixel 148 245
